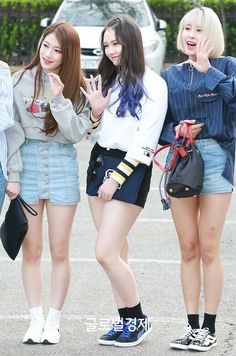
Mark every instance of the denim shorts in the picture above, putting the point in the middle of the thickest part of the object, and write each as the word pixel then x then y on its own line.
pixel 2 187
pixel 214 157
pixel 50 171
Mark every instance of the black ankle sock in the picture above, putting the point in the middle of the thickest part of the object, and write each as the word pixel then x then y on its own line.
pixel 193 320
pixel 122 313
pixel 209 322
pixel 135 312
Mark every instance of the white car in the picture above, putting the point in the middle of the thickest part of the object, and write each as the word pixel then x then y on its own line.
pixel 90 16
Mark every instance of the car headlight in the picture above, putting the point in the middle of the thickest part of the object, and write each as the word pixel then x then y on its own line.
pixel 150 46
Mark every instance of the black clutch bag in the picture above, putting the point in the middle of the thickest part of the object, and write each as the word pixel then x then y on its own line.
pixel 15 226
pixel 101 169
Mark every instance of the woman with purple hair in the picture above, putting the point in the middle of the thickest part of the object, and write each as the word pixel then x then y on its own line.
pixel 132 100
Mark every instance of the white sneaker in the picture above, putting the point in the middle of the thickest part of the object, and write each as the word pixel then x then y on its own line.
pixel 33 334
pixel 51 332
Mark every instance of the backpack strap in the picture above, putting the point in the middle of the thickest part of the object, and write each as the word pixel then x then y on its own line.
pixel 155 154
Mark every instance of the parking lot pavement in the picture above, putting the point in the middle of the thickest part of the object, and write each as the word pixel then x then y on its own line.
pixel 89 307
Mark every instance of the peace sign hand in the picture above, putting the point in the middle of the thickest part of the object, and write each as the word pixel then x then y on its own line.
pixel 95 96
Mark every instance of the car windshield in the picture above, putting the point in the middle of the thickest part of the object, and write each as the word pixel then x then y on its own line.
pixel 96 13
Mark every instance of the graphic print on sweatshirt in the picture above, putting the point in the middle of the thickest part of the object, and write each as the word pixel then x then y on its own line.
pixel 38 107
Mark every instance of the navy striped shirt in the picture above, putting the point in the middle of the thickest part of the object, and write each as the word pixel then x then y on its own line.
pixel 205 97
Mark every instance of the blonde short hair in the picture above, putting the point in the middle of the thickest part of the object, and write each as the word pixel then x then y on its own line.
pixel 211 26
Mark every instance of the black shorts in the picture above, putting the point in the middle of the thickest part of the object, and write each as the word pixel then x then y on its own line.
pixel 146 181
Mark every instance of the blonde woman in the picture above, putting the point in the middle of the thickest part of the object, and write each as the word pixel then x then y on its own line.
pixel 202 91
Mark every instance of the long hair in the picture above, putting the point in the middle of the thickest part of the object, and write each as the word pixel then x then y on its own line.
pixel 131 69
pixel 70 71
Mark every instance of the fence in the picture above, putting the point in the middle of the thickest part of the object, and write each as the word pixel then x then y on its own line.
pixel 172 18
pixel 20 31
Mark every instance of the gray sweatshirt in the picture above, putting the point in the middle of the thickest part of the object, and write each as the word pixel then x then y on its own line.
pixel 29 119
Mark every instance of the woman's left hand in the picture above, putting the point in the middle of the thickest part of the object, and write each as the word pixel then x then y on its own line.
pixel 196 128
pixel 56 84
pixel 202 63
pixel 95 96
pixel 108 189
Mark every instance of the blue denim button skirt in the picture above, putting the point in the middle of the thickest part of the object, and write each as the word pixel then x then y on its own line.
pixel 214 157
pixel 50 171
pixel 2 187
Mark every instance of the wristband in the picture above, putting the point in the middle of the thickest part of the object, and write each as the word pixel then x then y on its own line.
pixel 92 118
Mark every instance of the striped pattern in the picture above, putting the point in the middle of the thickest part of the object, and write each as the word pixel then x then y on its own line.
pixel 209 98
pixel 118 177
pixel 124 169
pixel 95 123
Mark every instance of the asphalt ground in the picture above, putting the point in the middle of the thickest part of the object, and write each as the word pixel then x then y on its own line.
pixel 90 309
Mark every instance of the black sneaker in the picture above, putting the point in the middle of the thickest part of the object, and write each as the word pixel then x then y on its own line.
pixel 204 341
pixel 185 340
pixel 135 330
pixel 110 337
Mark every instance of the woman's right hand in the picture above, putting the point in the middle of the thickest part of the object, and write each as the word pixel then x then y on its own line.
pixel 108 189
pixel 196 128
pixel 13 189
pixel 95 96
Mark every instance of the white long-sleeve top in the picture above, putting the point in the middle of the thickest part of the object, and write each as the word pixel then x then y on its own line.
pixel 139 138
pixel 6 111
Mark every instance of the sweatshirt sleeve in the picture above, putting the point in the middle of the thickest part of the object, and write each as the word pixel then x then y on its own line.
pixel 15 138
pixel 6 98
pixel 72 126
pixel 151 121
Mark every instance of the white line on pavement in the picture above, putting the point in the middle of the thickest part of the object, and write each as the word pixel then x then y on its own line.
pixel 139 220
pixel 150 220
pixel 145 220
pixel 170 220
pixel 131 260
pixel 83 260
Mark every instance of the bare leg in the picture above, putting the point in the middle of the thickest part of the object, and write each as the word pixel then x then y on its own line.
pixel 60 219
pixel 116 222
pixel 213 214
pixel 31 274
pixel 96 208
pixel 31 262
pixel 185 215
